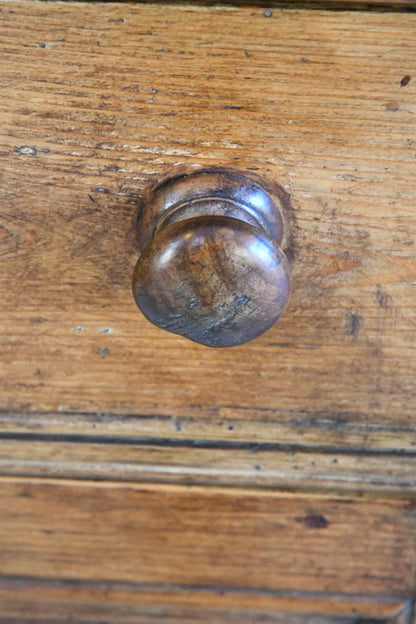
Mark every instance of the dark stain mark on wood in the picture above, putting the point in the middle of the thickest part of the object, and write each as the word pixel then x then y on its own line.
pixel 231 107
pixel 384 299
pixel 405 80
pixel 111 168
pixel 39 319
pixel 410 507
pixel 103 352
pixel 352 324
pixel 267 13
pixel 26 494
pixel 314 521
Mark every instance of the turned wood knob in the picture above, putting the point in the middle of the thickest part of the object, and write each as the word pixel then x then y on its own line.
pixel 211 267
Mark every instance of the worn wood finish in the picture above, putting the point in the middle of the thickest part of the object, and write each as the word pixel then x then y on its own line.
pixel 343 432
pixel 359 5
pixel 209 462
pixel 206 537
pixel 35 601
pixel 224 449
pixel 96 103
pixel 111 99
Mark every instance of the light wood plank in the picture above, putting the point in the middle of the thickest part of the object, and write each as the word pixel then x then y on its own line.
pixel 303 454
pixel 206 537
pixel 362 5
pixel 111 97
pixel 97 101
pixel 210 463
pixel 313 430
pixel 37 601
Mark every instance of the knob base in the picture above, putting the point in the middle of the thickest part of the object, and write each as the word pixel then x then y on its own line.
pixel 209 192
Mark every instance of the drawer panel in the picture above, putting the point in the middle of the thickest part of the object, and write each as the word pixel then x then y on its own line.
pixel 97 102
pixel 113 97
pixel 206 537
pixel 37 601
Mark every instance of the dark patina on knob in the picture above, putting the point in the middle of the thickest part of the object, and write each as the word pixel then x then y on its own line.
pixel 211 267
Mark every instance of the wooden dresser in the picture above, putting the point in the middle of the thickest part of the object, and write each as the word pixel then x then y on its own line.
pixel 147 479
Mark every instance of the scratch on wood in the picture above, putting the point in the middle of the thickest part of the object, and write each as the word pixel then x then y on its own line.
pixel 352 324
pixel 383 298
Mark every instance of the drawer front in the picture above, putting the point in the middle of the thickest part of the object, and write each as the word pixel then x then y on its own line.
pixel 113 99
pixel 145 478
pixel 204 553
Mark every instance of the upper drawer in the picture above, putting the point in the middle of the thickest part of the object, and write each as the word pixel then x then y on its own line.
pixel 98 102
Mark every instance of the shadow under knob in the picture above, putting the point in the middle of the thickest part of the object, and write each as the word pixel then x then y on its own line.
pixel 211 268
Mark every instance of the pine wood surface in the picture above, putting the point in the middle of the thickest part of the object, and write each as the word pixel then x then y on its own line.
pixel 35 601
pixel 209 463
pixel 206 537
pixel 98 101
pixel 360 5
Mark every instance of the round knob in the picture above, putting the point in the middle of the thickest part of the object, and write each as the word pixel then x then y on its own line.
pixel 211 268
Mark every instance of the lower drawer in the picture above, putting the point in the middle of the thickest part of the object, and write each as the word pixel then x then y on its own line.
pixel 92 550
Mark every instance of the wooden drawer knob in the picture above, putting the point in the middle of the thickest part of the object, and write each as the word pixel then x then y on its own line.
pixel 211 268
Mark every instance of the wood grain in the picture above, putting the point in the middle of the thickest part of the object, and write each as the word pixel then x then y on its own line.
pixel 224 450
pixel 359 5
pixel 208 463
pixel 206 537
pixel 35 601
pixel 315 431
pixel 98 101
